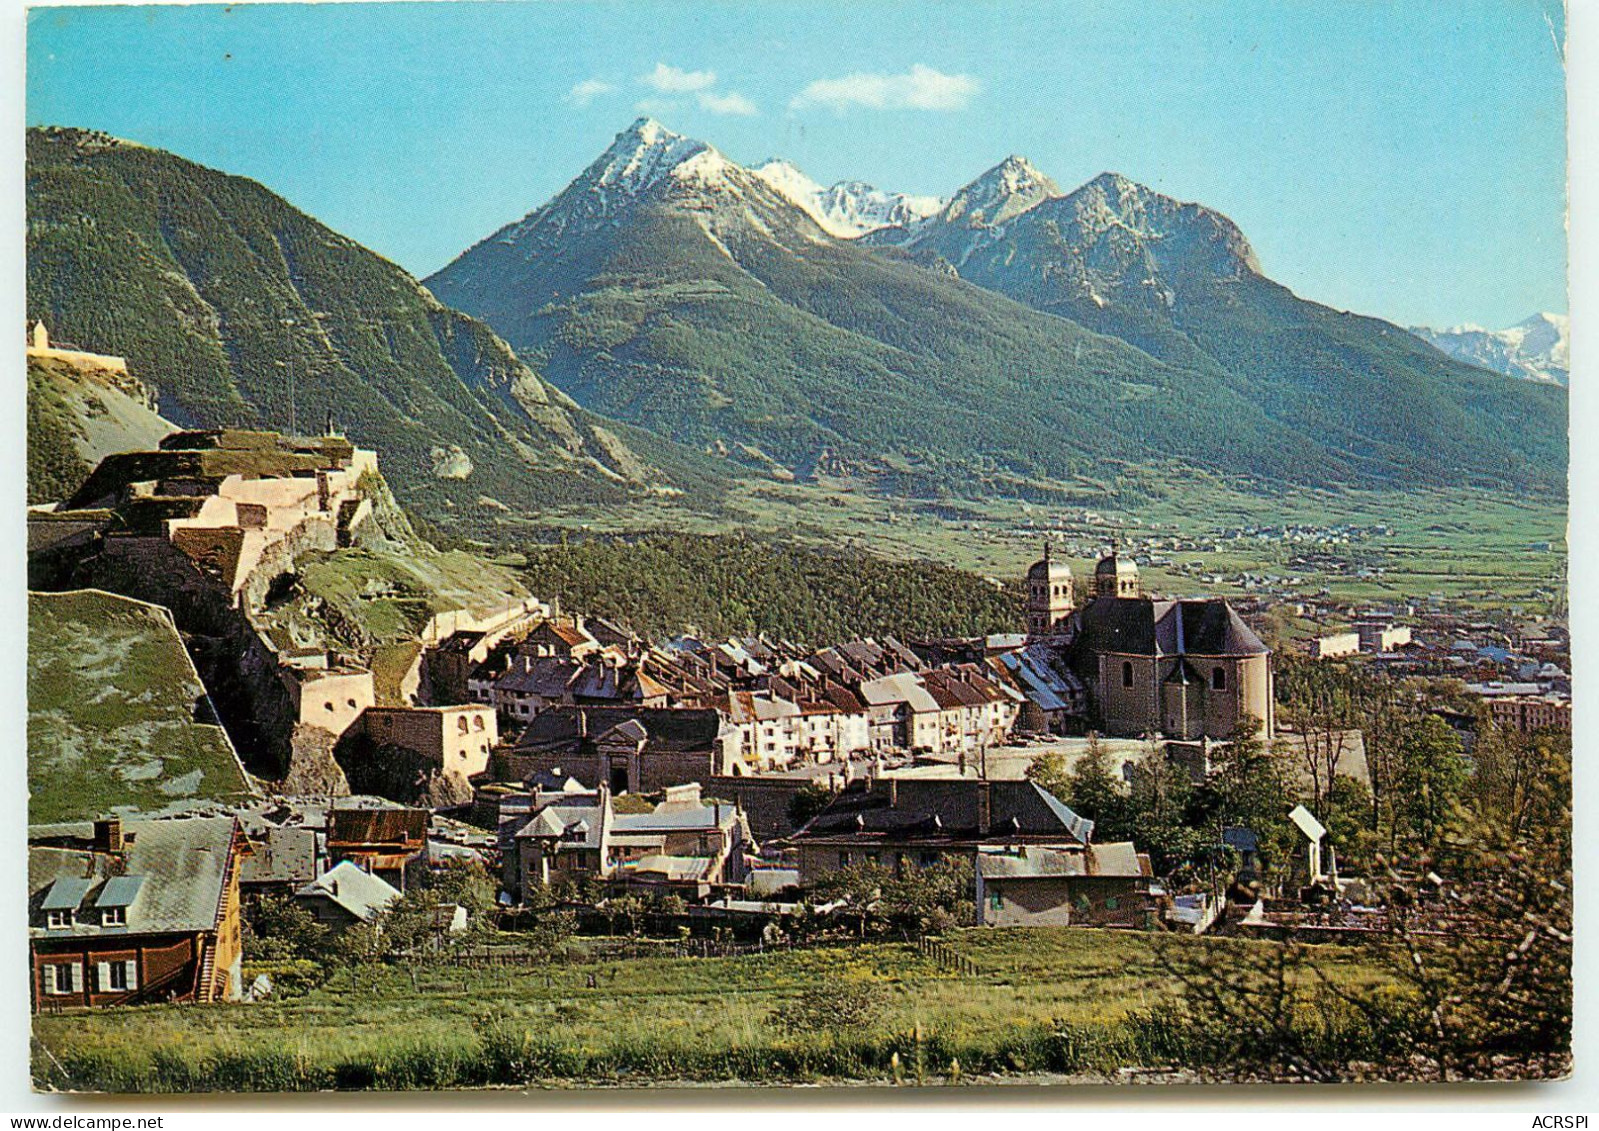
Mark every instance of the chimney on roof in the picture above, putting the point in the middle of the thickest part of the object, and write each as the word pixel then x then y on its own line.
pixel 108 835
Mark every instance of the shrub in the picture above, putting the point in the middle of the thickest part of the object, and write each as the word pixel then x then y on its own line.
pixel 831 1006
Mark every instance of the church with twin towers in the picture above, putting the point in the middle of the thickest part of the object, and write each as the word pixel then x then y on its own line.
pixel 1185 669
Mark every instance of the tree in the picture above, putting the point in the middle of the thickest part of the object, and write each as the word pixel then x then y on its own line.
pixel 1049 772
pixel 1349 823
pixel 1157 809
pixel 928 900
pixel 626 911
pixel 1475 982
pixel 1430 772
pixel 278 928
pixel 1248 788
pixel 1094 790
pixel 412 925
pixel 809 800
pixel 1512 772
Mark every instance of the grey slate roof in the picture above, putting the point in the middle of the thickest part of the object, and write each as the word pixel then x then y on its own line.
pixel 945 811
pixel 1140 627
pixel 359 892
pixel 66 894
pixel 286 855
pixel 119 891
pixel 1052 688
pixel 182 864
pixel 669 729
pixel 1035 862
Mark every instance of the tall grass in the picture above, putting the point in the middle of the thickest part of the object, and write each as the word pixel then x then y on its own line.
pixel 1063 1002
pixel 506 1053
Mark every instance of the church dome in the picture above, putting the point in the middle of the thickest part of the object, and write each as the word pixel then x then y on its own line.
pixel 1048 569
pixel 1112 566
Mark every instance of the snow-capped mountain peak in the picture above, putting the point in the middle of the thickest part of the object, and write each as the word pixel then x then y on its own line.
pixel 641 155
pixel 1008 189
pixel 1535 349
pixel 847 209
pixel 788 178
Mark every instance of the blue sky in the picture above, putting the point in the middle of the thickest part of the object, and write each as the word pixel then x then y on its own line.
pixel 1399 159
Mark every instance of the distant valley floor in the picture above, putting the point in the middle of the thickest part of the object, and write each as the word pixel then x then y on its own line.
pixel 1489 549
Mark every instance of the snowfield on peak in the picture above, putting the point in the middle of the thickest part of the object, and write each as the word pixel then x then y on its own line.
pixel 1536 349
pixel 847 209
pixel 641 155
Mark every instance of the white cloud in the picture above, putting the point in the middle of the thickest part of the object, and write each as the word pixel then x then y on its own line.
pixel 586 91
pixel 729 103
pixel 674 80
pixel 920 88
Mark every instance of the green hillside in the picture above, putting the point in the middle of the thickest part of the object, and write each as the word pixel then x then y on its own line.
pixel 117 717
pixel 830 353
pixel 221 295
pixel 663 584
pixel 1181 282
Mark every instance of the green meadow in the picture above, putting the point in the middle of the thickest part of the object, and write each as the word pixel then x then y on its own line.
pixel 1055 1001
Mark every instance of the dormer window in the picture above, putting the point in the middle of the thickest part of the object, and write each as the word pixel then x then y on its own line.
pixel 114 917
pixel 58 920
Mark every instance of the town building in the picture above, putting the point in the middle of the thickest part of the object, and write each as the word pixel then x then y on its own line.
pixel 897 823
pixel 345 896
pixel 684 844
pixel 380 838
pixel 1529 713
pixel 455 740
pixel 1335 645
pixel 1378 633
pixel 1186 669
pixel 638 750
pixel 282 860
pixel 125 912
pixel 1102 885
pixel 1054 698
pixel 1116 576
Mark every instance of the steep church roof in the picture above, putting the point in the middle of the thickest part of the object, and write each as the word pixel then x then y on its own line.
pixel 1139 627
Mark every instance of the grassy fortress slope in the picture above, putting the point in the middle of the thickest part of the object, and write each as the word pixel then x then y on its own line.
pixel 114 712
pixel 80 410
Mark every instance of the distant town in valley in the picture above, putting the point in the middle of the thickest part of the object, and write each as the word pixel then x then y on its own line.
pixel 722 628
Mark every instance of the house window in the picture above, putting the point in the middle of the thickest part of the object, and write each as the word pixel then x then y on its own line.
pixel 1127 673
pixel 58 920
pixel 61 979
pixel 1111 903
pixel 117 975
pixel 460 725
pixel 114 917
pixel 477 723
pixel 1218 679
pixel 843 860
pixel 995 901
